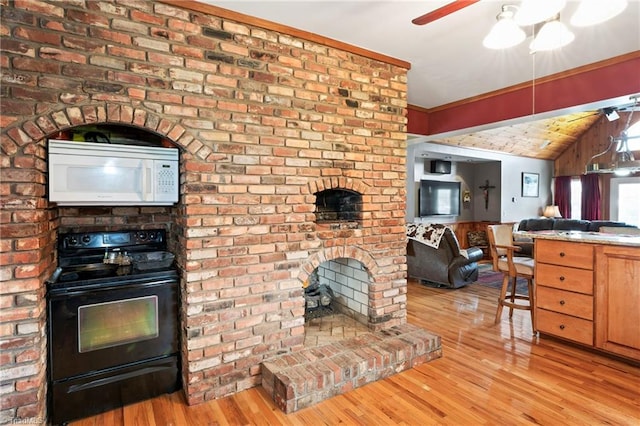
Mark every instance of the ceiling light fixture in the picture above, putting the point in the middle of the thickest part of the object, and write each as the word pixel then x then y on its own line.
pixel 592 12
pixel 611 114
pixel 623 162
pixel 552 35
pixel 533 11
pixel 505 33
pixel 544 15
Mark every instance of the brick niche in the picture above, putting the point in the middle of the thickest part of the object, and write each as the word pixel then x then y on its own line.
pixel 263 119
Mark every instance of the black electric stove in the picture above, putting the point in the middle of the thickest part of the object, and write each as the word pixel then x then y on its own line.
pixel 113 305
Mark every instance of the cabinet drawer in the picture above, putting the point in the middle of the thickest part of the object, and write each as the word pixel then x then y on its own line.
pixel 565 326
pixel 573 279
pixel 565 302
pixel 576 255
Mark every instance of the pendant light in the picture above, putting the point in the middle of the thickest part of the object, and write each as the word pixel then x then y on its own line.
pixel 592 12
pixel 534 11
pixel 505 33
pixel 553 35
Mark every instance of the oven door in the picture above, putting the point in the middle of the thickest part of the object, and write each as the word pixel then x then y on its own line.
pixel 114 325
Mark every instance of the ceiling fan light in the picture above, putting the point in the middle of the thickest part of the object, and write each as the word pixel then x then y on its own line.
pixel 505 33
pixel 553 35
pixel 534 11
pixel 592 12
pixel 622 172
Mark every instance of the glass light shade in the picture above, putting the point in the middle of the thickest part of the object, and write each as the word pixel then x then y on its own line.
pixel 621 172
pixel 551 211
pixel 534 11
pixel 592 12
pixel 505 33
pixel 552 35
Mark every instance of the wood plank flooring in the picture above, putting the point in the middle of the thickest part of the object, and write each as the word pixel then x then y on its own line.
pixel 489 375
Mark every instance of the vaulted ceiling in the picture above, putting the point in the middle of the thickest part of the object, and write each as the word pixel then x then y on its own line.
pixel 542 139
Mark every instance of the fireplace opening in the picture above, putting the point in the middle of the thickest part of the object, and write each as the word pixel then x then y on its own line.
pixel 336 302
pixel 339 207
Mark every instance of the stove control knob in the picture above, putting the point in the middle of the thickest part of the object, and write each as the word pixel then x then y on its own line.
pixel 86 239
pixel 141 235
pixel 152 236
pixel 72 241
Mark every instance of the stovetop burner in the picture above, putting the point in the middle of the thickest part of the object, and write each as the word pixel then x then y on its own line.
pixel 117 255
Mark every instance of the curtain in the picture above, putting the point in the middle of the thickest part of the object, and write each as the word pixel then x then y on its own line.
pixel 591 204
pixel 563 195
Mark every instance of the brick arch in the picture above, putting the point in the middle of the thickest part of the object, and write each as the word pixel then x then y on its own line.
pixel 39 127
pixel 338 182
pixel 333 253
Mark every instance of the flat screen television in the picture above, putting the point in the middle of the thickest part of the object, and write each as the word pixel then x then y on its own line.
pixel 439 198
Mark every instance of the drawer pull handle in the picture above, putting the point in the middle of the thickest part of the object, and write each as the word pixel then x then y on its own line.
pixel 561 254
pixel 561 278
pixel 561 326
pixel 562 302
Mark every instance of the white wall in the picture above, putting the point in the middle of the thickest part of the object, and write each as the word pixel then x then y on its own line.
pixel 503 171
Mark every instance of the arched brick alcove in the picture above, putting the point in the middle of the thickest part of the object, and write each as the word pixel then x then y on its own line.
pixel 31 223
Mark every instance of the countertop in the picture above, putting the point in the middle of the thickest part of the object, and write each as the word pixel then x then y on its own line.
pixel 583 237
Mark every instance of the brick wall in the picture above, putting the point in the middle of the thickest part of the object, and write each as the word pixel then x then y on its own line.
pixel 263 120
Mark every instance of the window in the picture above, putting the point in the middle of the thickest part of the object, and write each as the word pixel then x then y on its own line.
pixel 625 193
pixel 576 199
pixel 633 133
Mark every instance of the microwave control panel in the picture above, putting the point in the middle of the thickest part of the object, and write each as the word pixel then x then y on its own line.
pixel 166 180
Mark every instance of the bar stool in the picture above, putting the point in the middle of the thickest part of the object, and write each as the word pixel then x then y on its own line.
pixel 512 267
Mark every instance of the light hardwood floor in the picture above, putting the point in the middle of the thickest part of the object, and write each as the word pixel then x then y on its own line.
pixel 489 375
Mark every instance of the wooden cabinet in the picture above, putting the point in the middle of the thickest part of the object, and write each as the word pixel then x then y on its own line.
pixel 564 290
pixel 590 294
pixel 618 300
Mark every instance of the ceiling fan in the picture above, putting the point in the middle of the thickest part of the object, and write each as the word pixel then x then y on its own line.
pixel 443 11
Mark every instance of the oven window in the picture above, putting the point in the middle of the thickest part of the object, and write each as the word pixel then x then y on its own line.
pixel 104 325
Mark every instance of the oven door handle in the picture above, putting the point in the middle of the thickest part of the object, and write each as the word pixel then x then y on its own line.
pixel 120 377
pixel 147 190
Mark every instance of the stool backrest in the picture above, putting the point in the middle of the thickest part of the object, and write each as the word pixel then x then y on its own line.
pixel 499 235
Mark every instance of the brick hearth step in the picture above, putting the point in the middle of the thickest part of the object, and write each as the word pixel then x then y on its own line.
pixel 300 379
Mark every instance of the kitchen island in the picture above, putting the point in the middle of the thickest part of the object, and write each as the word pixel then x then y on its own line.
pixel 587 289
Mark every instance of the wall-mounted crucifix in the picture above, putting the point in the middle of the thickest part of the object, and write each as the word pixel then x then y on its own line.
pixel 485 192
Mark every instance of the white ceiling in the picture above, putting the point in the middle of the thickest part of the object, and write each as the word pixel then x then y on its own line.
pixel 448 61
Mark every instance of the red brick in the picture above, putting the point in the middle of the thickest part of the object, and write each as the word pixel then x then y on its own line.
pixel 40 7
pixel 38 36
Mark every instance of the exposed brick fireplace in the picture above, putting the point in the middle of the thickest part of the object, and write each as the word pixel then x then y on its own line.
pixel 264 121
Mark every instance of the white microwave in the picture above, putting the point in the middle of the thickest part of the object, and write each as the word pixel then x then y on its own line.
pixel 100 174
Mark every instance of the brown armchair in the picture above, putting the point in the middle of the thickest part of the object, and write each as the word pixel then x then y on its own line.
pixel 434 257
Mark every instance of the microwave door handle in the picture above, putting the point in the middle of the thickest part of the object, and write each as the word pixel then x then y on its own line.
pixel 146 181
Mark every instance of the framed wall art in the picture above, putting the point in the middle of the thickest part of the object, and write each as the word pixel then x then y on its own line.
pixel 530 184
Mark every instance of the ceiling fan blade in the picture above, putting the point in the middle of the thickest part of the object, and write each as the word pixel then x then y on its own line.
pixel 443 11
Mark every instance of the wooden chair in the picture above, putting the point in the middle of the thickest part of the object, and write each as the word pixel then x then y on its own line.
pixel 512 267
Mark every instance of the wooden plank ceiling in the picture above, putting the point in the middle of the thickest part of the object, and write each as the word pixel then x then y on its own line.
pixel 529 139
